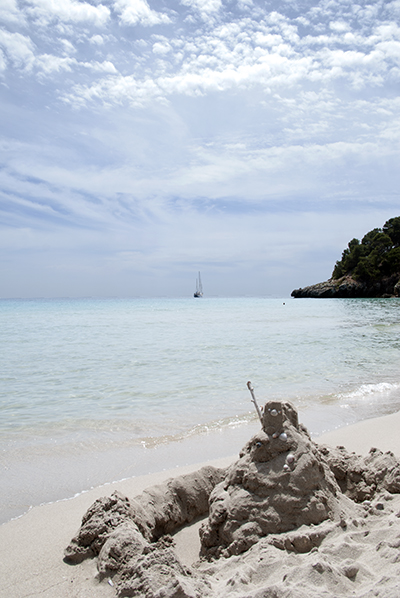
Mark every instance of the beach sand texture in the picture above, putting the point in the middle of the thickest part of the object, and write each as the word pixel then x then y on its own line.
pixel 360 555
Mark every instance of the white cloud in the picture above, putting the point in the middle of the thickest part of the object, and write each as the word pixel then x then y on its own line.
pixel 339 26
pixel 245 4
pixel 98 40
pixel 19 51
pixel 390 50
pixel 134 12
pixel 198 77
pixel 244 52
pixel 205 7
pixel 9 12
pixel 268 53
pixel 68 47
pixel 48 64
pixel 101 67
pixel 393 8
pixel 161 48
pixel 3 62
pixel 69 11
pixel 269 40
pixel 18 48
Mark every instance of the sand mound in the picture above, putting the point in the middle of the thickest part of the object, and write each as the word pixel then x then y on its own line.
pixel 281 481
pixel 289 519
pixel 156 512
pixel 360 558
pixel 361 478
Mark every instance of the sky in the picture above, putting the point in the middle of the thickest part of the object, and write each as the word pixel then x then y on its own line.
pixel 143 141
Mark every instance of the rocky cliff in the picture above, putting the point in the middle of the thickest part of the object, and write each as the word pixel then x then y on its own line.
pixel 348 287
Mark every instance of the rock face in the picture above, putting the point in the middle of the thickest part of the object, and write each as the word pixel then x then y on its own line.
pixel 347 287
pixel 280 482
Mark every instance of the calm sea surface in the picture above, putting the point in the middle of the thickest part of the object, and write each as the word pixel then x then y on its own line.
pixel 98 390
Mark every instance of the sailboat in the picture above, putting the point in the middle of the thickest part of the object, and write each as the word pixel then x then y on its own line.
pixel 199 287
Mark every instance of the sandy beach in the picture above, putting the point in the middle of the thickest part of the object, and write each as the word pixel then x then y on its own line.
pixel 32 547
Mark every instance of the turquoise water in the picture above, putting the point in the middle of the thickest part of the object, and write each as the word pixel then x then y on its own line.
pixel 97 390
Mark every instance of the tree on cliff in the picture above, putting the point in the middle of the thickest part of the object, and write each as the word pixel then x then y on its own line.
pixel 377 255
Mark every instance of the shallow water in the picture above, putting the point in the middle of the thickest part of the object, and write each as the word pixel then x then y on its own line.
pixel 96 390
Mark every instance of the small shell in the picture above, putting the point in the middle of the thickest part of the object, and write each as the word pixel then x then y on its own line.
pixel 258 444
pixel 275 435
pixel 283 436
pixel 274 412
pixel 286 467
pixel 290 458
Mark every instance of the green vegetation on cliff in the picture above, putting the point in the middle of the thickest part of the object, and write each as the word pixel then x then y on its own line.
pixel 377 256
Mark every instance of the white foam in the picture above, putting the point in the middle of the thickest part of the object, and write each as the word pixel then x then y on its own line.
pixel 368 391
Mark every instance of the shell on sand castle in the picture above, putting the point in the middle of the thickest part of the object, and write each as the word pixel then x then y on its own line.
pixel 280 482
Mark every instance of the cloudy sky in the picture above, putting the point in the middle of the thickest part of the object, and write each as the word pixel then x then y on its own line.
pixel 142 141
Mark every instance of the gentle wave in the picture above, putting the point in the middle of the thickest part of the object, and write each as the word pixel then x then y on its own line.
pixel 368 391
pixel 201 429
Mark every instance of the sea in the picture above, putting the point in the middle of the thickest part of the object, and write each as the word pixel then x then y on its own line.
pixel 99 390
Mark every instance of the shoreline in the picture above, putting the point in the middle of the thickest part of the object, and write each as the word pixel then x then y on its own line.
pixel 31 546
pixel 39 482
pixel 21 491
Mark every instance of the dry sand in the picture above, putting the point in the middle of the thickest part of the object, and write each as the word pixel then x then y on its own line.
pixel 382 432
pixel 31 547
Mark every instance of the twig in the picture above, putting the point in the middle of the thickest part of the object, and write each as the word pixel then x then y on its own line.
pixel 253 400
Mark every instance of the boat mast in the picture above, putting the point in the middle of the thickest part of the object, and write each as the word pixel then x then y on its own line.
pixel 199 287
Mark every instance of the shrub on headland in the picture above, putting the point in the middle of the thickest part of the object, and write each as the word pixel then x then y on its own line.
pixel 370 268
pixel 377 255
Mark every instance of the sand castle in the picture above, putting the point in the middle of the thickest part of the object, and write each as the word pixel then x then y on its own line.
pixel 280 483
pixel 284 495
